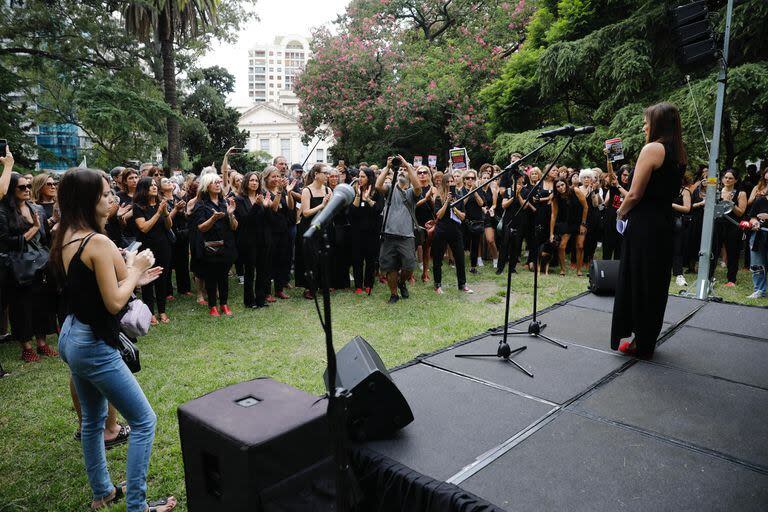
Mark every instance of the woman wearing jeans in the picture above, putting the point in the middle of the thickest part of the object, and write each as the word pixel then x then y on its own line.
pixel 97 285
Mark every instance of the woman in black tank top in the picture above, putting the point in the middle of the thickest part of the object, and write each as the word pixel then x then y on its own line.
pixel 97 285
pixel 314 197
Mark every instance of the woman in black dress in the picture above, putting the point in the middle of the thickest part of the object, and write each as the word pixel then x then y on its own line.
pixel 214 218
pixel 474 225
pixel 44 195
pixel 280 216
pixel 129 179
pixel 424 213
pixel 314 196
pixel 448 233
pixel 568 219
pixel 646 253
pixel 364 231
pixel 253 241
pixel 727 234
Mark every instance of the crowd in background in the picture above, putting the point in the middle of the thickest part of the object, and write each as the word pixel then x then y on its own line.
pixel 204 229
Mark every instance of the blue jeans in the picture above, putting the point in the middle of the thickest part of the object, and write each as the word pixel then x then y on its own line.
pixel 100 375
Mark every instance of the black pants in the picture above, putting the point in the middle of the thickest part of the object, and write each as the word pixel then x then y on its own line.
pixel 256 272
pixel 679 250
pixel 216 280
pixel 529 234
pixel 475 239
pixel 365 250
pixel 180 265
pixel 443 239
pixel 726 235
pixel 511 246
pixel 611 238
pixel 280 260
pixel 156 291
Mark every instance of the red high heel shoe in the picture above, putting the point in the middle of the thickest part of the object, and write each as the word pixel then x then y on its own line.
pixel 625 347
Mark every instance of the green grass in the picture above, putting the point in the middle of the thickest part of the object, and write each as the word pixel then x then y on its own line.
pixel 41 465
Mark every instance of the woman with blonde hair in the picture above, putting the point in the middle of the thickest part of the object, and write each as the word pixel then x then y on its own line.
pixel 44 194
pixel 278 202
pixel 424 213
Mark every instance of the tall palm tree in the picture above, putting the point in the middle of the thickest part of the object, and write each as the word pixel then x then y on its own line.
pixel 165 20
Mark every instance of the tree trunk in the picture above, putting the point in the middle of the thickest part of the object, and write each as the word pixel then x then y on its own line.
pixel 166 33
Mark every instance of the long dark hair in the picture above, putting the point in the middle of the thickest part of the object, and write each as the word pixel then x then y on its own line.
pixel 10 198
pixel 79 192
pixel 243 192
pixel 370 177
pixel 568 191
pixel 141 196
pixel 664 126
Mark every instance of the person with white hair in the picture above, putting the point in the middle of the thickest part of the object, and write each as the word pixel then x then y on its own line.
pixel 590 188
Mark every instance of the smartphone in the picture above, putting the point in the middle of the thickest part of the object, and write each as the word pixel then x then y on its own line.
pixel 133 246
pixel 453 190
pixel 239 150
pixel 3 145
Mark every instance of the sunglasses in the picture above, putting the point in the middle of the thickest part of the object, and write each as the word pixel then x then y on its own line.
pixel 51 184
pixel 470 178
pixel 24 187
pixel 422 172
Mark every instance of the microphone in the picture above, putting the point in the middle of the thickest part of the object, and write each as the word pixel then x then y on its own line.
pixel 583 130
pixel 564 130
pixel 343 195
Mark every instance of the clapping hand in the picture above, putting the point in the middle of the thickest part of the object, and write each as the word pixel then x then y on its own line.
pixel 366 193
pixel 163 208
pixel 149 275
pixel 217 215
pixel 230 206
pixel 180 205
pixel 326 199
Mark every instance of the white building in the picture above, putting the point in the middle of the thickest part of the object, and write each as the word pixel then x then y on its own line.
pixel 276 131
pixel 271 118
pixel 272 70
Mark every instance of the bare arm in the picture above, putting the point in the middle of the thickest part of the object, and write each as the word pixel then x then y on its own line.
pixel 413 177
pixel 686 206
pixel 115 292
pixel 383 176
pixel 651 157
pixel 5 178
pixel 740 204
pixel 584 206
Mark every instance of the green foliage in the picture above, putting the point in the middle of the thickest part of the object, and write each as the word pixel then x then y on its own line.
pixel 211 126
pixel 602 62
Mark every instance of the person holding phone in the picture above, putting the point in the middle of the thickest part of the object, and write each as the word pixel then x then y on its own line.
pixel 214 218
pixel 280 215
pixel 7 161
pixel 448 233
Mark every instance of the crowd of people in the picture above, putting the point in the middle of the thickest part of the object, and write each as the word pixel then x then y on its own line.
pixel 109 234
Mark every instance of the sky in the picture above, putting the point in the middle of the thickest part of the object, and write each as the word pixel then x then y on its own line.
pixel 276 17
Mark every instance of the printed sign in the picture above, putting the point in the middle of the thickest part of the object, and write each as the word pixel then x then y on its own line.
pixel 432 160
pixel 615 149
pixel 459 159
pixel 417 161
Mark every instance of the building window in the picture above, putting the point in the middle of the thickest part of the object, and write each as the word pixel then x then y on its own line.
pixel 264 145
pixel 320 155
pixel 285 149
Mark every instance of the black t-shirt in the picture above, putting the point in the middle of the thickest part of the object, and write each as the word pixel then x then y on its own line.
pixel 129 230
pixel 474 210
pixel 155 235
pixel 280 220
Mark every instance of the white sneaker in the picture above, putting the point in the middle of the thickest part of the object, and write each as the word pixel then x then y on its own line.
pixel 722 264
pixel 680 280
pixel 241 279
pixel 756 295
pixel 466 289
pixel 496 263
pixel 479 262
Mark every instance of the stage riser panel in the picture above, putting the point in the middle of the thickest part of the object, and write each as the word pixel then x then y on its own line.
pixel 677 307
pixel 732 319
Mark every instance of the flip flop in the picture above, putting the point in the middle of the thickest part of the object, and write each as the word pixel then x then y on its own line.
pixel 153 505
pixel 114 498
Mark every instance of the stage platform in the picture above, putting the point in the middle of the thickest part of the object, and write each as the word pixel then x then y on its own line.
pixel 593 429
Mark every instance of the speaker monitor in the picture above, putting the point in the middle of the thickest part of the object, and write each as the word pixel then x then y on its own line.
pixel 256 446
pixel 603 276
pixel 377 409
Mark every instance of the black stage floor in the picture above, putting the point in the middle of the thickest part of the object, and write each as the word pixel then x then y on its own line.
pixel 595 430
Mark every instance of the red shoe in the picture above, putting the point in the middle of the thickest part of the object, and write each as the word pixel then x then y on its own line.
pixel 28 355
pixel 383 279
pixel 153 320
pixel 170 297
pixel 625 347
pixel 202 302
pixel 270 298
pixel 368 291
pixel 214 312
pixel 47 350
pixel 283 295
pixel 359 291
pixel 730 284
pixel 225 309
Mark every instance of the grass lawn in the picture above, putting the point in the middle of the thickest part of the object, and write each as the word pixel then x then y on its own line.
pixel 41 467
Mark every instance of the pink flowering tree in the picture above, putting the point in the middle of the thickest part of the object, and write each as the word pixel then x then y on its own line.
pixel 404 75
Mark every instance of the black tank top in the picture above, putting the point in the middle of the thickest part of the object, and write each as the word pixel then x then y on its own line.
pixel 83 298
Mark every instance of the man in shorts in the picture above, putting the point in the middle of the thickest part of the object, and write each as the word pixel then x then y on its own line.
pixel 397 256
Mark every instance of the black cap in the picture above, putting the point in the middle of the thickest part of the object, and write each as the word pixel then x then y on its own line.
pixel 297 167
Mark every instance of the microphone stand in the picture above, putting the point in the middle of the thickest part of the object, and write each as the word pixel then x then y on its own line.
pixel 338 397
pixel 504 351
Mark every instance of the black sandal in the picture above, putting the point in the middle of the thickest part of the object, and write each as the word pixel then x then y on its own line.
pixel 113 498
pixel 122 437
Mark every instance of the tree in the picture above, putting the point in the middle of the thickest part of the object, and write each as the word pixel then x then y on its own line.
pixel 211 126
pixel 169 19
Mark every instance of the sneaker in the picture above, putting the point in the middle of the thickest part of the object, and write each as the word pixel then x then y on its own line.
pixel 439 290
pixel 214 312
pixel 680 280
pixel 358 291
pixel 270 299
pixel 367 291
pixel 756 295
pixel 495 263
pixel 404 290
pixel 473 270
pixel 393 299
pixel 466 289
pixel 282 295
pixel 730 284
pixel 225 309
pixel 241 279
pixel 722 264
pixel 480 262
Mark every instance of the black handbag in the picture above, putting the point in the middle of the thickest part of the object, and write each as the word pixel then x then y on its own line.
pixel 213 247
pixel 24 266
pixel 129 352
pixel 475 226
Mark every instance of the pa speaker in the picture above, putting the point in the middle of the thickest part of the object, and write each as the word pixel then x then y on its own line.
pixel 377 409
pixel 257 446
pixel 603 276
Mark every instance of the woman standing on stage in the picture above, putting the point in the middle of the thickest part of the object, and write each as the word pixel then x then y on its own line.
pixel 646 253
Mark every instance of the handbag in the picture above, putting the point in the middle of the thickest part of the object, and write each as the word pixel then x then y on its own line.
pixel 213 247
pixel 135 318
pixel 475 226
pixel 129 352
pixel 24 266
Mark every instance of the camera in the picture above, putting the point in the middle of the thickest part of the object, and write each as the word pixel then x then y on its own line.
pixel 3 146
pixel 396 163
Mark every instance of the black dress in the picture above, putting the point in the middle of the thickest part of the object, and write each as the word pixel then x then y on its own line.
pixel 646 262
pixel 299 260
